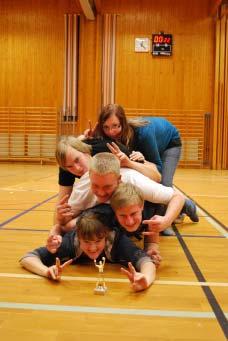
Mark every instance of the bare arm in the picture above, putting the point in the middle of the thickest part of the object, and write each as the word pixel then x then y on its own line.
pixel 143 279
pixel 149 271
pixel 34 265
pixel 148 169
pixel 151 247
pixel 151 242
pixel 174 207
pixel 159 223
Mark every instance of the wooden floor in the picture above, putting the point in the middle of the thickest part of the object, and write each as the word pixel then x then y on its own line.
pixel 188 301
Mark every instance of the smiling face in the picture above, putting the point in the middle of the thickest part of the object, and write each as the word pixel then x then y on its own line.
pixel 92 248
pixel 112 127
pixel 103 185
pixel 76 162
pixel 129 217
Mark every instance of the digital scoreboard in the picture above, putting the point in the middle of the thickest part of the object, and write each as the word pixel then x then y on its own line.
pixel 162 44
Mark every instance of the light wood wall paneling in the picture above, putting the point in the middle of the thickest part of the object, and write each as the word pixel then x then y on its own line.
pixel 220 122
pixel 33 57
pixel 184 80
pixel 32 48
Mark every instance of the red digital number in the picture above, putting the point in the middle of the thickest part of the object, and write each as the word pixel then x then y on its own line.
pixel 158 39
pixel 155 39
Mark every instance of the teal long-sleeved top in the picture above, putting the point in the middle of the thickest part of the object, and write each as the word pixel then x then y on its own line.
pixel 154 138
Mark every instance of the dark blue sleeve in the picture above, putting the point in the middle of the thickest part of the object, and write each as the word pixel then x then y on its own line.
pixel 65 252
pixel 45 256
pixel 106 214
pixel 125 251
pixel 145 142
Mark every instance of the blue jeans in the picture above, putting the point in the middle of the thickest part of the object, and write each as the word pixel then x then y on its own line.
pixel 170 159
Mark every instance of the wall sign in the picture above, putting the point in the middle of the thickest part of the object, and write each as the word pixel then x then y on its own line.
pixel 162 44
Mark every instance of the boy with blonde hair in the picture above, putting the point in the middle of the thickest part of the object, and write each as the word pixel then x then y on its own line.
pixel 127 203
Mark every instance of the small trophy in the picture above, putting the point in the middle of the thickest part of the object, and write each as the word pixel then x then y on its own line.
pixel 100 285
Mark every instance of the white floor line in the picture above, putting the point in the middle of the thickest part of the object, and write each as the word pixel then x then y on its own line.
pixel 214 223
pixel 208 196
pixel 104 310
pixel 116 280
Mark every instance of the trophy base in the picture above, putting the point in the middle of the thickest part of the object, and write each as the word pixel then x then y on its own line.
pixel 100 290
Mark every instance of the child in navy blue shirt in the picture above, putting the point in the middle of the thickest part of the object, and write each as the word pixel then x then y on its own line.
pixel 93 240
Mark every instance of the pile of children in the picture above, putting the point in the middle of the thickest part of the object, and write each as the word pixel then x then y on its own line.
pixel 117 208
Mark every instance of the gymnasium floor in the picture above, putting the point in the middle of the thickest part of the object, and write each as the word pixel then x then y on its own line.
pixel 188 301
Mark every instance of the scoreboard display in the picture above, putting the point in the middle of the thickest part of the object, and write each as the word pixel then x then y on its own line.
pixel 162 44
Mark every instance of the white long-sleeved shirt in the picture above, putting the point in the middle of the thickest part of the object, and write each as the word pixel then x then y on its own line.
pixel 82 197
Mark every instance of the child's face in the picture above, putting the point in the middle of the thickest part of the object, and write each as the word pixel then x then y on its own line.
pixel 103 185
pixel 129 217
pixel 112 127
pixel 92 248
pixel 77 162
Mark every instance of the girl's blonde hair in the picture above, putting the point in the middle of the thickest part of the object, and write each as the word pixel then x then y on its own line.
pixel 126 194
pixel 69 141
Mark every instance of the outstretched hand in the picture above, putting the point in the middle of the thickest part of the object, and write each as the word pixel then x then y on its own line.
pixel 124 159
pixel 137 156
pixel 90 132
pixel 55 271
pixel 64 212
pixel 154 253
pixel 156 224
pixel 137 279
pixel 53 243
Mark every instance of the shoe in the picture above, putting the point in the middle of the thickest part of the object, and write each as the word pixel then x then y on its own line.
pixel 168 232
pixel 190 210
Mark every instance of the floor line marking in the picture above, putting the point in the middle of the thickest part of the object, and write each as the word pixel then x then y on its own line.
pixel 27 210
pixel 104 310
pixel 217 309
pixel 215 224
pixel 115 280
pixel 27 190
pixel 23 229
pixel 209 195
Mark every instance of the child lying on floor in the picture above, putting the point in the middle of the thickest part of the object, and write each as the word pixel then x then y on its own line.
pixel 93 239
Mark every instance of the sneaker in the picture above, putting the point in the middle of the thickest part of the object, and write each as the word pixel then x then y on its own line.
pixel 190 210
pixel 168 232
